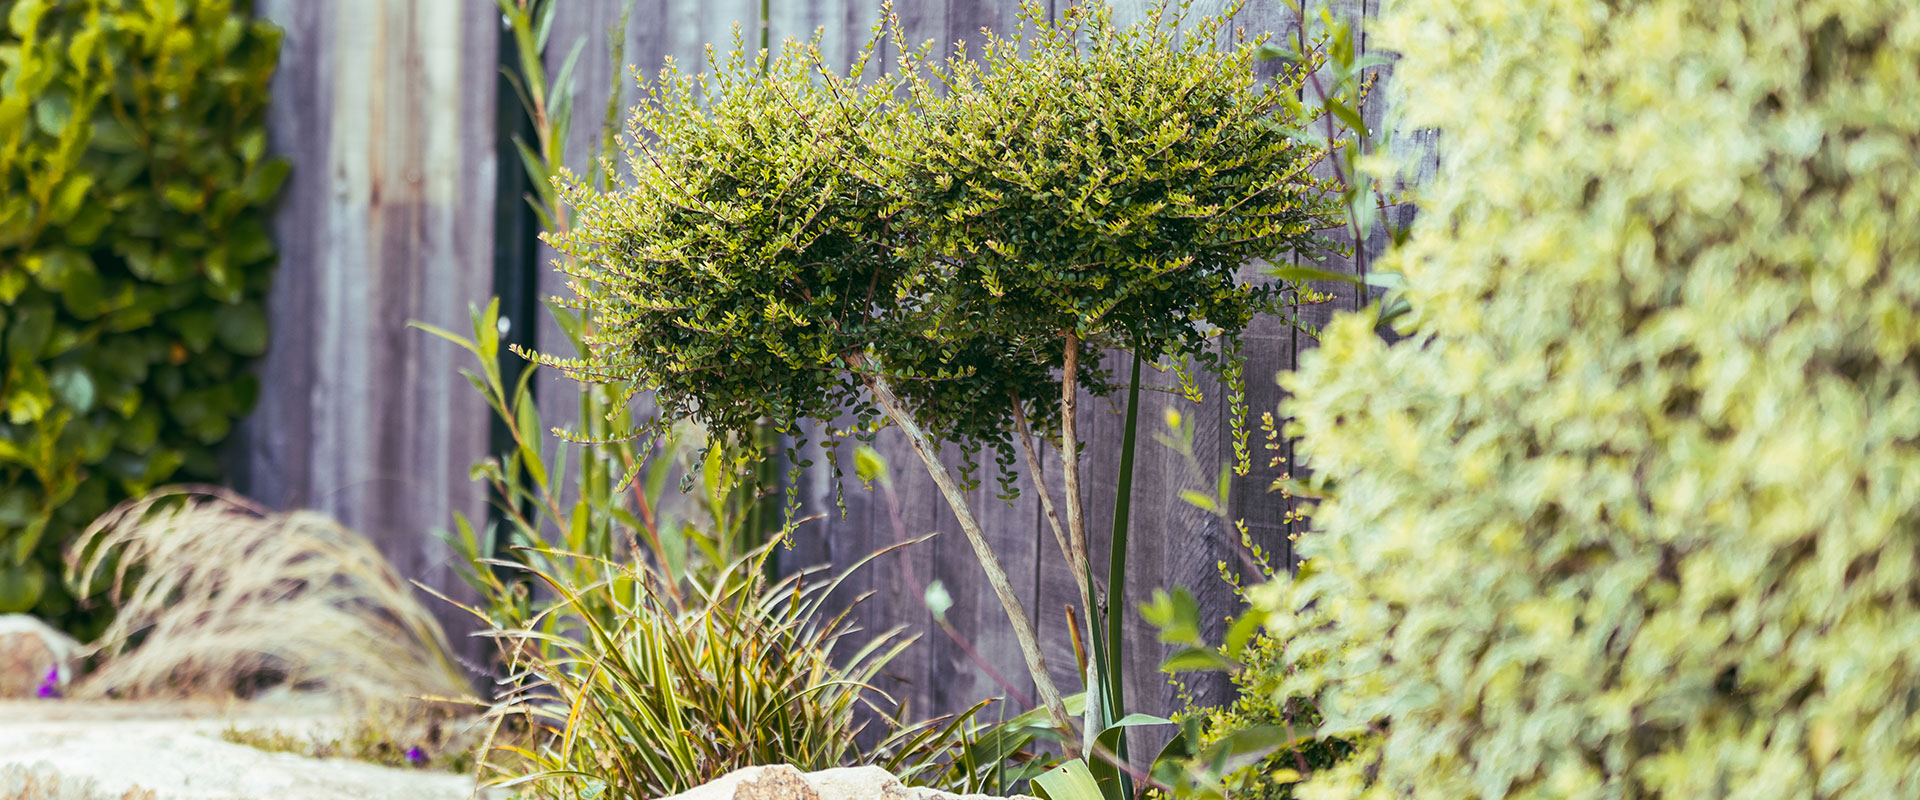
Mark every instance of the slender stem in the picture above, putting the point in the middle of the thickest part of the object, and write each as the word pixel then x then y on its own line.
pixel 1023 631
pixel 1116 696
pixel 1046 494
pixel 650 526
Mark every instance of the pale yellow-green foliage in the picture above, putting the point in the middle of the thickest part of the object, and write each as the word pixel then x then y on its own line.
pixel 213 594
pixel 1632 511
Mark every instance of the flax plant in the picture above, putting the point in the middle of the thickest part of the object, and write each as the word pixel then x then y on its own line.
pixel 667 693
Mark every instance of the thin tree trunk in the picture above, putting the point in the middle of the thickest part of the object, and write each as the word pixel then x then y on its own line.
pixel 1070 457
pixel 1023 631
pixel 1077 526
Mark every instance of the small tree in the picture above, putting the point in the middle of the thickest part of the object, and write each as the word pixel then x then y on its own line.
pixel 938 250
pixel 1083 187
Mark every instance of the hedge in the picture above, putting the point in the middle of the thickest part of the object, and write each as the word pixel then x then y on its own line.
pixel 134 256
pixel 1634 510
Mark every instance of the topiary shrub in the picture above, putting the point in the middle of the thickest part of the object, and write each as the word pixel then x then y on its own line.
pixel 1634 511
pixel 787 251
pixel 1085 186
pixel 134 256
pixel 930 250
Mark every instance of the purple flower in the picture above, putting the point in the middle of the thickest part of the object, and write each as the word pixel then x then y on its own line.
pixel 415 757
pixel 50 685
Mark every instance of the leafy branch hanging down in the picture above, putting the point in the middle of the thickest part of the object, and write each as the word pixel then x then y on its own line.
pixel 941 250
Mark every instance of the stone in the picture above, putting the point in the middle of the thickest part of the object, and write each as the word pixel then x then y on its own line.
pixel 857 783
pixel 779 782
pixel 178 751
pixel 784 782
pixel 29 651
pixel 40 781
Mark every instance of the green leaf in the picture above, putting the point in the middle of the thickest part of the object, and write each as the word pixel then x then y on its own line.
pixel 110 135
pixel 249 243
pixel 1069 781
pixel 1200 500
pixel 562 111
pixel 67 198
pixel 869 466
pixel 1112 678
pixel 196 327
pixel 1198 659
pixel 464 343
pixel 52 111
pixel 1386 280
pixel 527 419
pixel 253 144
pixel 1176 615
pixel 1249 746
pixel 26 16
pixel 19 505
pixel 52 269
pixel 12 283
pixel 142 431
pixel 21 584
pixel 184 197
pixel 264 182
pixel 1242 631
pixel 242 329
pixel 87 225
pixel 1297 273
pixel 1347 115
pixel 73 386
pixel 27 336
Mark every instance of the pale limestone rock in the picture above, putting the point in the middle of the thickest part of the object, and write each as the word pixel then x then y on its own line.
pixel 783 782
pixel 29 649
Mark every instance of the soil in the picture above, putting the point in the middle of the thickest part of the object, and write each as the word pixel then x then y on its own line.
pixel 175 750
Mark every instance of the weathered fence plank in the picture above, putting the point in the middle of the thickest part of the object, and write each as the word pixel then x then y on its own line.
pixel 386 110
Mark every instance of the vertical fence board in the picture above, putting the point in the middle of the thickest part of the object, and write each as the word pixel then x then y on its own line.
pixel 1010 528
pixel 390 133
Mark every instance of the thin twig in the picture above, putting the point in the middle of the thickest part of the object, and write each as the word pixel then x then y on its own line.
pixel 1045 491
pixel 1024 634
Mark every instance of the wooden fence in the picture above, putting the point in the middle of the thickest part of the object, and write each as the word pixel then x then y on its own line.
pixel 388 110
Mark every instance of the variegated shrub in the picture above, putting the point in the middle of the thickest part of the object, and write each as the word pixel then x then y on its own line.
pixel 1634 511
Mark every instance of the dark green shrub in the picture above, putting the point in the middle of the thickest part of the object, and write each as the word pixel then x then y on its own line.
pixel 1634 511
pixel 646 626
pixel 134 255
pixel 1085 185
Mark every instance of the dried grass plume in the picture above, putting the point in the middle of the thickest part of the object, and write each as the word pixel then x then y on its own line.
pixel 216 596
